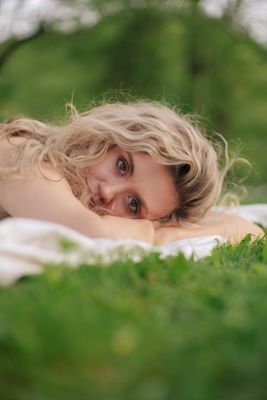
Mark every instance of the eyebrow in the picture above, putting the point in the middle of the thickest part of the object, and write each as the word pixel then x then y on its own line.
pixel 131 163
pixel 131 172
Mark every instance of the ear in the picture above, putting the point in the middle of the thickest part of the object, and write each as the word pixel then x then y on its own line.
pixel 184 169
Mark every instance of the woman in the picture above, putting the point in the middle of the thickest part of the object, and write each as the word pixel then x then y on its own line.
pixel 135 170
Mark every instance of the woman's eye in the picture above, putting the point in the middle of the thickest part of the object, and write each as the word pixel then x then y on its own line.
pixel 122 166
pixel 134 205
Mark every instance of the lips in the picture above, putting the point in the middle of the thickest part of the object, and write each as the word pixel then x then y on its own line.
pixel 95 200
pixel 92 202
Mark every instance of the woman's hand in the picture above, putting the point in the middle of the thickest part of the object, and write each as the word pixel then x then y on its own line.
pixel 232 228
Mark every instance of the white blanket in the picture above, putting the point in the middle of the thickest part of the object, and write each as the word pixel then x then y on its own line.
pixel 27 245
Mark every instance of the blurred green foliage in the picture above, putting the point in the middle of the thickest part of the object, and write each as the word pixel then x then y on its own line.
pixel 202 65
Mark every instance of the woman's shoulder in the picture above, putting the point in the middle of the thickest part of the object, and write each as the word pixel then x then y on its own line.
pixel 9 150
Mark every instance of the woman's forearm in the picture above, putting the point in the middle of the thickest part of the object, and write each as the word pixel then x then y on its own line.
pixel 126 228
pixel 232 228
pixel 52 200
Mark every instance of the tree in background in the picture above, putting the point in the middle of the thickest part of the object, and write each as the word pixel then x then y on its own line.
pixel 168 50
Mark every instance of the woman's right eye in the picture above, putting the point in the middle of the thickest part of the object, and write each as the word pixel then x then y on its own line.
pixel 122 166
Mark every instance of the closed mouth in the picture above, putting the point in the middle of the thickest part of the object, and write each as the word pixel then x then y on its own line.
pixel 92 202
pixel 95 201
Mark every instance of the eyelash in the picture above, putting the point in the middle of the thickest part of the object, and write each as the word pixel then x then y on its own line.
pixel 121 161
pixel 137 210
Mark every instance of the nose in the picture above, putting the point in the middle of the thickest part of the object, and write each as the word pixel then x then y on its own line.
pixel 108 193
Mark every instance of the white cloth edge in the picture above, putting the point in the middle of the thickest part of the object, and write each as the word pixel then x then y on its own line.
pixel 27 244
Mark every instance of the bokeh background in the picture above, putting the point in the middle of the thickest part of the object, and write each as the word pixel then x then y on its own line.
pixel 207 57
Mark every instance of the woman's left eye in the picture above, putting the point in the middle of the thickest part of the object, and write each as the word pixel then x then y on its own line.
pixel 134 205
pixel 122 166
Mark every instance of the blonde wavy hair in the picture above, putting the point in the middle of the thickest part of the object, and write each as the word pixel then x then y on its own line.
pixel 170 138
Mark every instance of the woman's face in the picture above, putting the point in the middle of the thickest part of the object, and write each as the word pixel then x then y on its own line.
pixel 131 185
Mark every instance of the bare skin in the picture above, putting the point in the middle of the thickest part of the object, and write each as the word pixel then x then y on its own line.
pixel 131 186
pixel 231 227
pixel 115 189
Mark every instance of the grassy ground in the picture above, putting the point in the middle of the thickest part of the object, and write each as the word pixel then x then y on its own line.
pixel 155 330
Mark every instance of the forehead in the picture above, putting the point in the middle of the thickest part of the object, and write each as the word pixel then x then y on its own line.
pixel 155 184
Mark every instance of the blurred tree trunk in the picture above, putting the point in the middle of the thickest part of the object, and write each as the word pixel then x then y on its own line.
pixel 194 63
pixel 204 67
pixel 16 43
pixel 134 60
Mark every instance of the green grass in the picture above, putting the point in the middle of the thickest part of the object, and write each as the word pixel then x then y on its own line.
pixel 159 329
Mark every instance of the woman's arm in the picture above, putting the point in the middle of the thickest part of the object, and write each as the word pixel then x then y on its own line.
pixel 232 228
pixel 52 200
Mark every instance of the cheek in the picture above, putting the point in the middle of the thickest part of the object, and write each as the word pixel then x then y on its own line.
pixel 84 172
pixel 102 169
pixel 92 172
pixel 117 208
